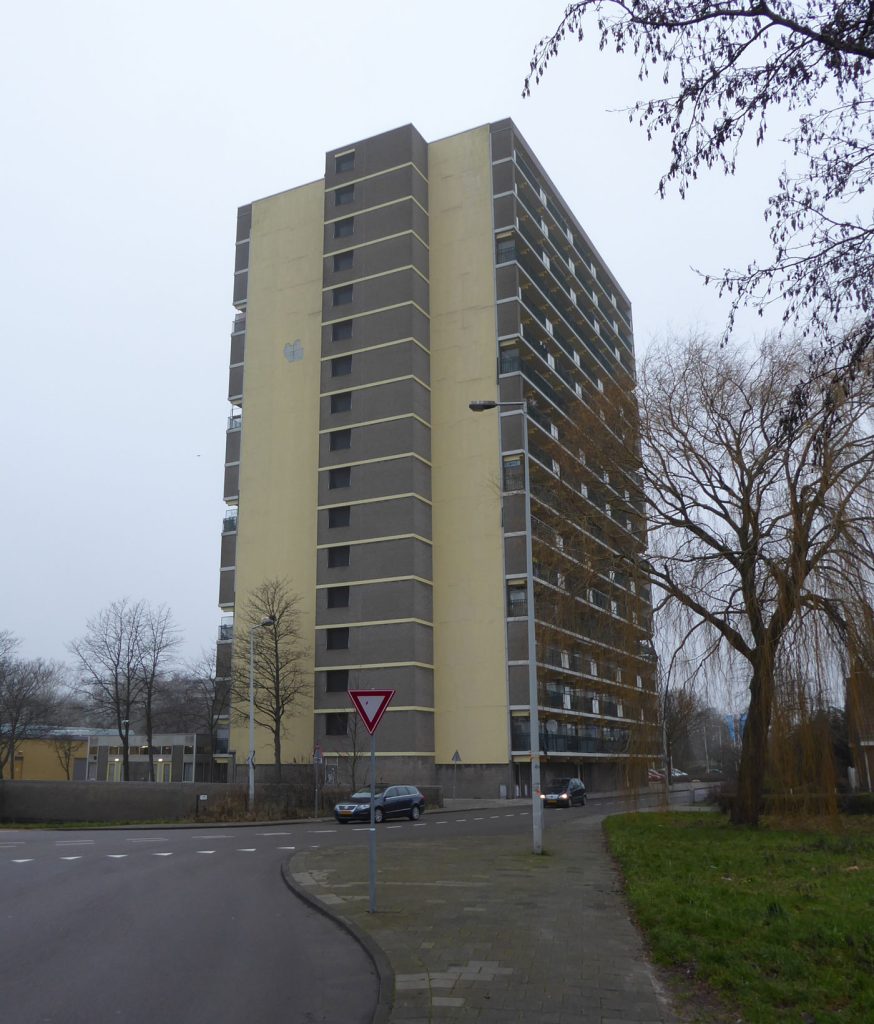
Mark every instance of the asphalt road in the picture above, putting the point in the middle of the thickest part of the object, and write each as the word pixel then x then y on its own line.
pixel 193 925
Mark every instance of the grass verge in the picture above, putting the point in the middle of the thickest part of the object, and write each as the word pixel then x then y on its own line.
pixel 778 922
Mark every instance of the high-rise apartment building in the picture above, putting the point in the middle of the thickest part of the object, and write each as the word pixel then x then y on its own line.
pixel 373 306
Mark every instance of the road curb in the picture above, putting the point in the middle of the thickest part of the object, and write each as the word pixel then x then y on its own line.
pixel 384 971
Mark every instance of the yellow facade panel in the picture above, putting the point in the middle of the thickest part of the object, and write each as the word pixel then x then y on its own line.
pixel 469 627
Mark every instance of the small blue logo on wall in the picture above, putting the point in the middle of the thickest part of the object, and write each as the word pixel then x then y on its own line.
pixel 293 351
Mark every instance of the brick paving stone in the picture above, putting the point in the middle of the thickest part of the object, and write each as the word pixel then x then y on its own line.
pixel 529 924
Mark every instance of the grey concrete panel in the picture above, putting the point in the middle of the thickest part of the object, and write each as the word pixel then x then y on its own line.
pixel 377 402
pixel 232 446
pixel 223 660
pixel 398 730
pixel 402 641
pixel 401 251
pixel 379 519
pixel 508 318
pixel 244 222
pixel 511 387
pixel 518 683
pixel 226 587
pixel 414 686
pixel 397 322
pixel 238 348
pixel 502 177
pixel 405 556
pixel 375 154
pixel 378 440
pixel 502 139
pixel 241 285
pixel 379 364
pixel 376 292
pixel 229 550
pixel 405 475
pixel 241 256
pixel 235 382
pixel 404 215
pixel 506 285
pixel 511 433
pixel 232 482
pixel 514 554
pixel 514 512
pixel 504 212
pixel 377 191
pixel 378 601
pixel 517 640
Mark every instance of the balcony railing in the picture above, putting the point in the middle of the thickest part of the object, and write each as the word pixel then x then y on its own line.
pixel 226 631
pixel 229 523
pixel 239 325
pixel 235 421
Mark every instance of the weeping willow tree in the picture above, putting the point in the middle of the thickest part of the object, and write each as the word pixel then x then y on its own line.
pixel 760 528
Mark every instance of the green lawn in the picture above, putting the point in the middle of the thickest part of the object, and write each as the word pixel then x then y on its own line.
pixel 778 923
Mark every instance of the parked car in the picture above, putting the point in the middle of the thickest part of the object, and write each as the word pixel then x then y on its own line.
pixel 655 776
pixel 389 802
pixel 564 793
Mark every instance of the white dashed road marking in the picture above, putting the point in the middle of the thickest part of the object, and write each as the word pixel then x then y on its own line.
pixel 284 847
pixel 145 840
pixel 420 824
pixel 321 831
pixel 461 819
pixel 116 856
pixel 274 833
pixel 162 854
pixel 246 849
pixel 78 857
pixel 24 860
pixel 206 851
pixel 394 826
pixel 74 842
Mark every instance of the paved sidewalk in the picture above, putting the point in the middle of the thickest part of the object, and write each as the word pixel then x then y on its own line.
pixel 480 930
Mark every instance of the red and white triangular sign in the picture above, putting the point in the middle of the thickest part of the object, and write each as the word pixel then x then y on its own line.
pixel 371 704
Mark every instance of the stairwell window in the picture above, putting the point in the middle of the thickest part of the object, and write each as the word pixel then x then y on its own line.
pixel 344 162
pixel 337 724
pixel 339 477
pixel 338 639
pixel 343 295
pixel 341 402
pixel 344 228
pixel 341 366
pixel 341 330
pixel 339 440
pixel 344 260
pixel 344 195
pixel 338 597
pixel 337 682
pixel 338 557
pixel 339 516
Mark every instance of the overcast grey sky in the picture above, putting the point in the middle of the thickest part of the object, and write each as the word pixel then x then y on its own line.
pixel 131 133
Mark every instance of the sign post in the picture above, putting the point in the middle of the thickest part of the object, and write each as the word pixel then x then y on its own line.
pixel 371 705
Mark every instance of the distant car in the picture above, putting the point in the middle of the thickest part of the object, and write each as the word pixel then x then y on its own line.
pixel 389 802
pixel 564 793
pixel 654 776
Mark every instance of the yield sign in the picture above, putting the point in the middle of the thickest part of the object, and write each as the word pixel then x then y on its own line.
pixel 371 704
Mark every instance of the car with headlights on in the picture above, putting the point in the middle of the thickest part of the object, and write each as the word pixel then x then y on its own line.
pixel 564 793
pixel 388 802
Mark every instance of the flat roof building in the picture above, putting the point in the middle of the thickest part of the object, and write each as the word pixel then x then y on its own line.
pixel 373 306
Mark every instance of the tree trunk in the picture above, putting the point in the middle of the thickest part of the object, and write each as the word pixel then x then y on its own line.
pixel 754 751
pixel 149 733
pixel 277 755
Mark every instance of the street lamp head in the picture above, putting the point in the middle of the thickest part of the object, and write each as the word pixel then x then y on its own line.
pixel 482 405
pixel 268 620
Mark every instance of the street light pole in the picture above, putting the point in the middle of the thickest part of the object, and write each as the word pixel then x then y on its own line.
pixel 268 621
pixel 533 698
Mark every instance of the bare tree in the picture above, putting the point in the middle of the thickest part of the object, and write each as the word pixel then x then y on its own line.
pixel 29 693
pixel 751 528
pixel 280 682
pixel 194 700
pixel 109 657
pixel 158 639
pixel 732 64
